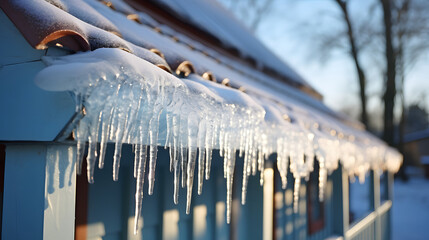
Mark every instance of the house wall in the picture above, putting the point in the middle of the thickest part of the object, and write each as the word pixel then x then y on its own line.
pixel 294 225
pixel 29 113
pixel 39 202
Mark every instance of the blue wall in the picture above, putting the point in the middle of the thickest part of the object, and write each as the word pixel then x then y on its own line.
pixel 111 205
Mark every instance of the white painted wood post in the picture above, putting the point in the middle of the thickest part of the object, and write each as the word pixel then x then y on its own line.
pixel 60 193
pixel 268 204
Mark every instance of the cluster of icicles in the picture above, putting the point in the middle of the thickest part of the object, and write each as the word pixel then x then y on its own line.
pixel 127 100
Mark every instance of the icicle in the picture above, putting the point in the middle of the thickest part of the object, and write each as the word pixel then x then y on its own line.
pixel 225 167
pixel 80 150
pixel 136 159
pixel 242 142
pixel 285 163
pixel 192 157
pixel 229 182
pixel 222 136
pixel 296 187
pixel 139 186
pixel 190 177
pixel 184 165
pixel 171 152
pixel 253 156
pixel 118 145
pixel 91 158
pixel 322 183
pixel 201 155
pixel 174 150
pixel 153 134
pixel 183 148
pixel 260 160
pixel 169 120
pixel 176 180
pixel 261 176
pixel 105 129
pixel 244 184
pixel 201 161
pixel 209 153
pixel 116 160
pixel 92 147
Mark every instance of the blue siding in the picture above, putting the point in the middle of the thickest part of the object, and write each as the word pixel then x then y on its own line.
pixel 111 208
pixel 24 192
pixel 111 205
pixel 290 225
pixel 32 113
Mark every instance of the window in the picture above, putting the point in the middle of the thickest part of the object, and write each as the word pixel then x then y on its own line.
pixel 315 208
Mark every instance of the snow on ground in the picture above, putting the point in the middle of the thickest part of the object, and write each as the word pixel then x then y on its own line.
pixel 410 219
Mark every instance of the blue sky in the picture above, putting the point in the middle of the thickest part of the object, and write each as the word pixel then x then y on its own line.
pixel 282 31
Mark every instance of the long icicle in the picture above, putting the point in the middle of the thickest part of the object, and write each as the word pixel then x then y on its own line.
pixel 201 155
pixel 192 157
pixel 139 186
pixel 296 187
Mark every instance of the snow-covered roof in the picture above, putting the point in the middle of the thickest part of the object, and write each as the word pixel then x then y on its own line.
pixel 146 84
pixel 215 19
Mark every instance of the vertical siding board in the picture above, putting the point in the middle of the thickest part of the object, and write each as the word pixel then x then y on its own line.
pixel 247 220
pixel 23 202
pixel 105 201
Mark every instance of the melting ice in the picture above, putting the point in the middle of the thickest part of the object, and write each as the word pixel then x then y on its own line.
pixel 127 100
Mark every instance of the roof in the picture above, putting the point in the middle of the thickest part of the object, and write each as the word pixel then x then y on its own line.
pixel 210 18
pixel 40 30
pixel 88 25
pixel 140 69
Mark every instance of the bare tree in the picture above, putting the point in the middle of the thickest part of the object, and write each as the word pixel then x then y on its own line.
pixel 390 92
pixel 403 35
pixel 406 25
pixel 351 39
pixel 354 52
pixel 411 28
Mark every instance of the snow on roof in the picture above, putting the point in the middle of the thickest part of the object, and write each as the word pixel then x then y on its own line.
pixel 129 99
pixel 219 22
pixel 97 25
